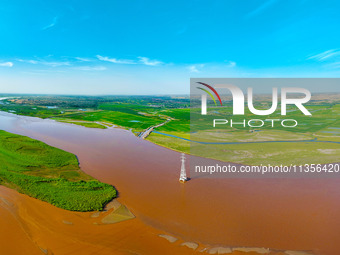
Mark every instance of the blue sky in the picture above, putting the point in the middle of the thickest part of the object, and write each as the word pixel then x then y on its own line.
pixel 154 47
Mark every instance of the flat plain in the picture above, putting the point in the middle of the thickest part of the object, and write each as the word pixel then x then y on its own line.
pixel 314 140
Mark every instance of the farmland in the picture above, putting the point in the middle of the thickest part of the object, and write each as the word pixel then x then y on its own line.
pixel 313 140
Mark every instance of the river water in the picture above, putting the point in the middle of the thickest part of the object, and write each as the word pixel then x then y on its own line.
pixel 283 214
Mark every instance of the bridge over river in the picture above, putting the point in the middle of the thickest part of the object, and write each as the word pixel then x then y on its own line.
pixel 148 131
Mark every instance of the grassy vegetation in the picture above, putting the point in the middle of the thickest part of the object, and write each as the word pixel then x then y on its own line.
pixel 89 125
pixel 139 113
pixel 137 122
pixel 271 153
pixel 49 174
pixel 136 113
pixel 323 126
pixel 82 123
pixel 170 142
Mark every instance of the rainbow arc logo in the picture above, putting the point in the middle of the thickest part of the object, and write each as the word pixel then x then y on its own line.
pixel 209 93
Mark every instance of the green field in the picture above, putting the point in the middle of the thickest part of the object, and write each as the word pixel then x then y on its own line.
pixel 138 121
pixel 324 125
pixel 49 174
pixel 87 124
pixel 135 113
pixel 139 113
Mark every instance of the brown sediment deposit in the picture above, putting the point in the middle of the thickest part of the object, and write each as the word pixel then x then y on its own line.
pixel 29 226
pixel 217 215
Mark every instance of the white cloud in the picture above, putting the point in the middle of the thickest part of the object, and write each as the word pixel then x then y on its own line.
pixel 56 63
pixel 83 59
pixel 195 68
pixel 91 68
pixel 149 62
pixel 116 61
pixel 47 63
pixel 32 61
pixel 7 64
pixel 325 55
pixel 231 63
pixel 141 60
pixel 54 22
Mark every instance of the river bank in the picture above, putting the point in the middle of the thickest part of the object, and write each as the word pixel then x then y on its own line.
pixel 278 214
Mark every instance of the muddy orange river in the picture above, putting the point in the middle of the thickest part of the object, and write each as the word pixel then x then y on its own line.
pixel 280 214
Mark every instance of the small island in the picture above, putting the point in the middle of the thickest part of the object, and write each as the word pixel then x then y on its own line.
pixel 49 174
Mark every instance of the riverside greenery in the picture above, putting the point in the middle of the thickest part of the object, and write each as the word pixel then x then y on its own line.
pixel 139 113
pixel 49 174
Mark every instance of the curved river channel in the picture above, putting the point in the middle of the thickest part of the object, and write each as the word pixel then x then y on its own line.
pixel 280 214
